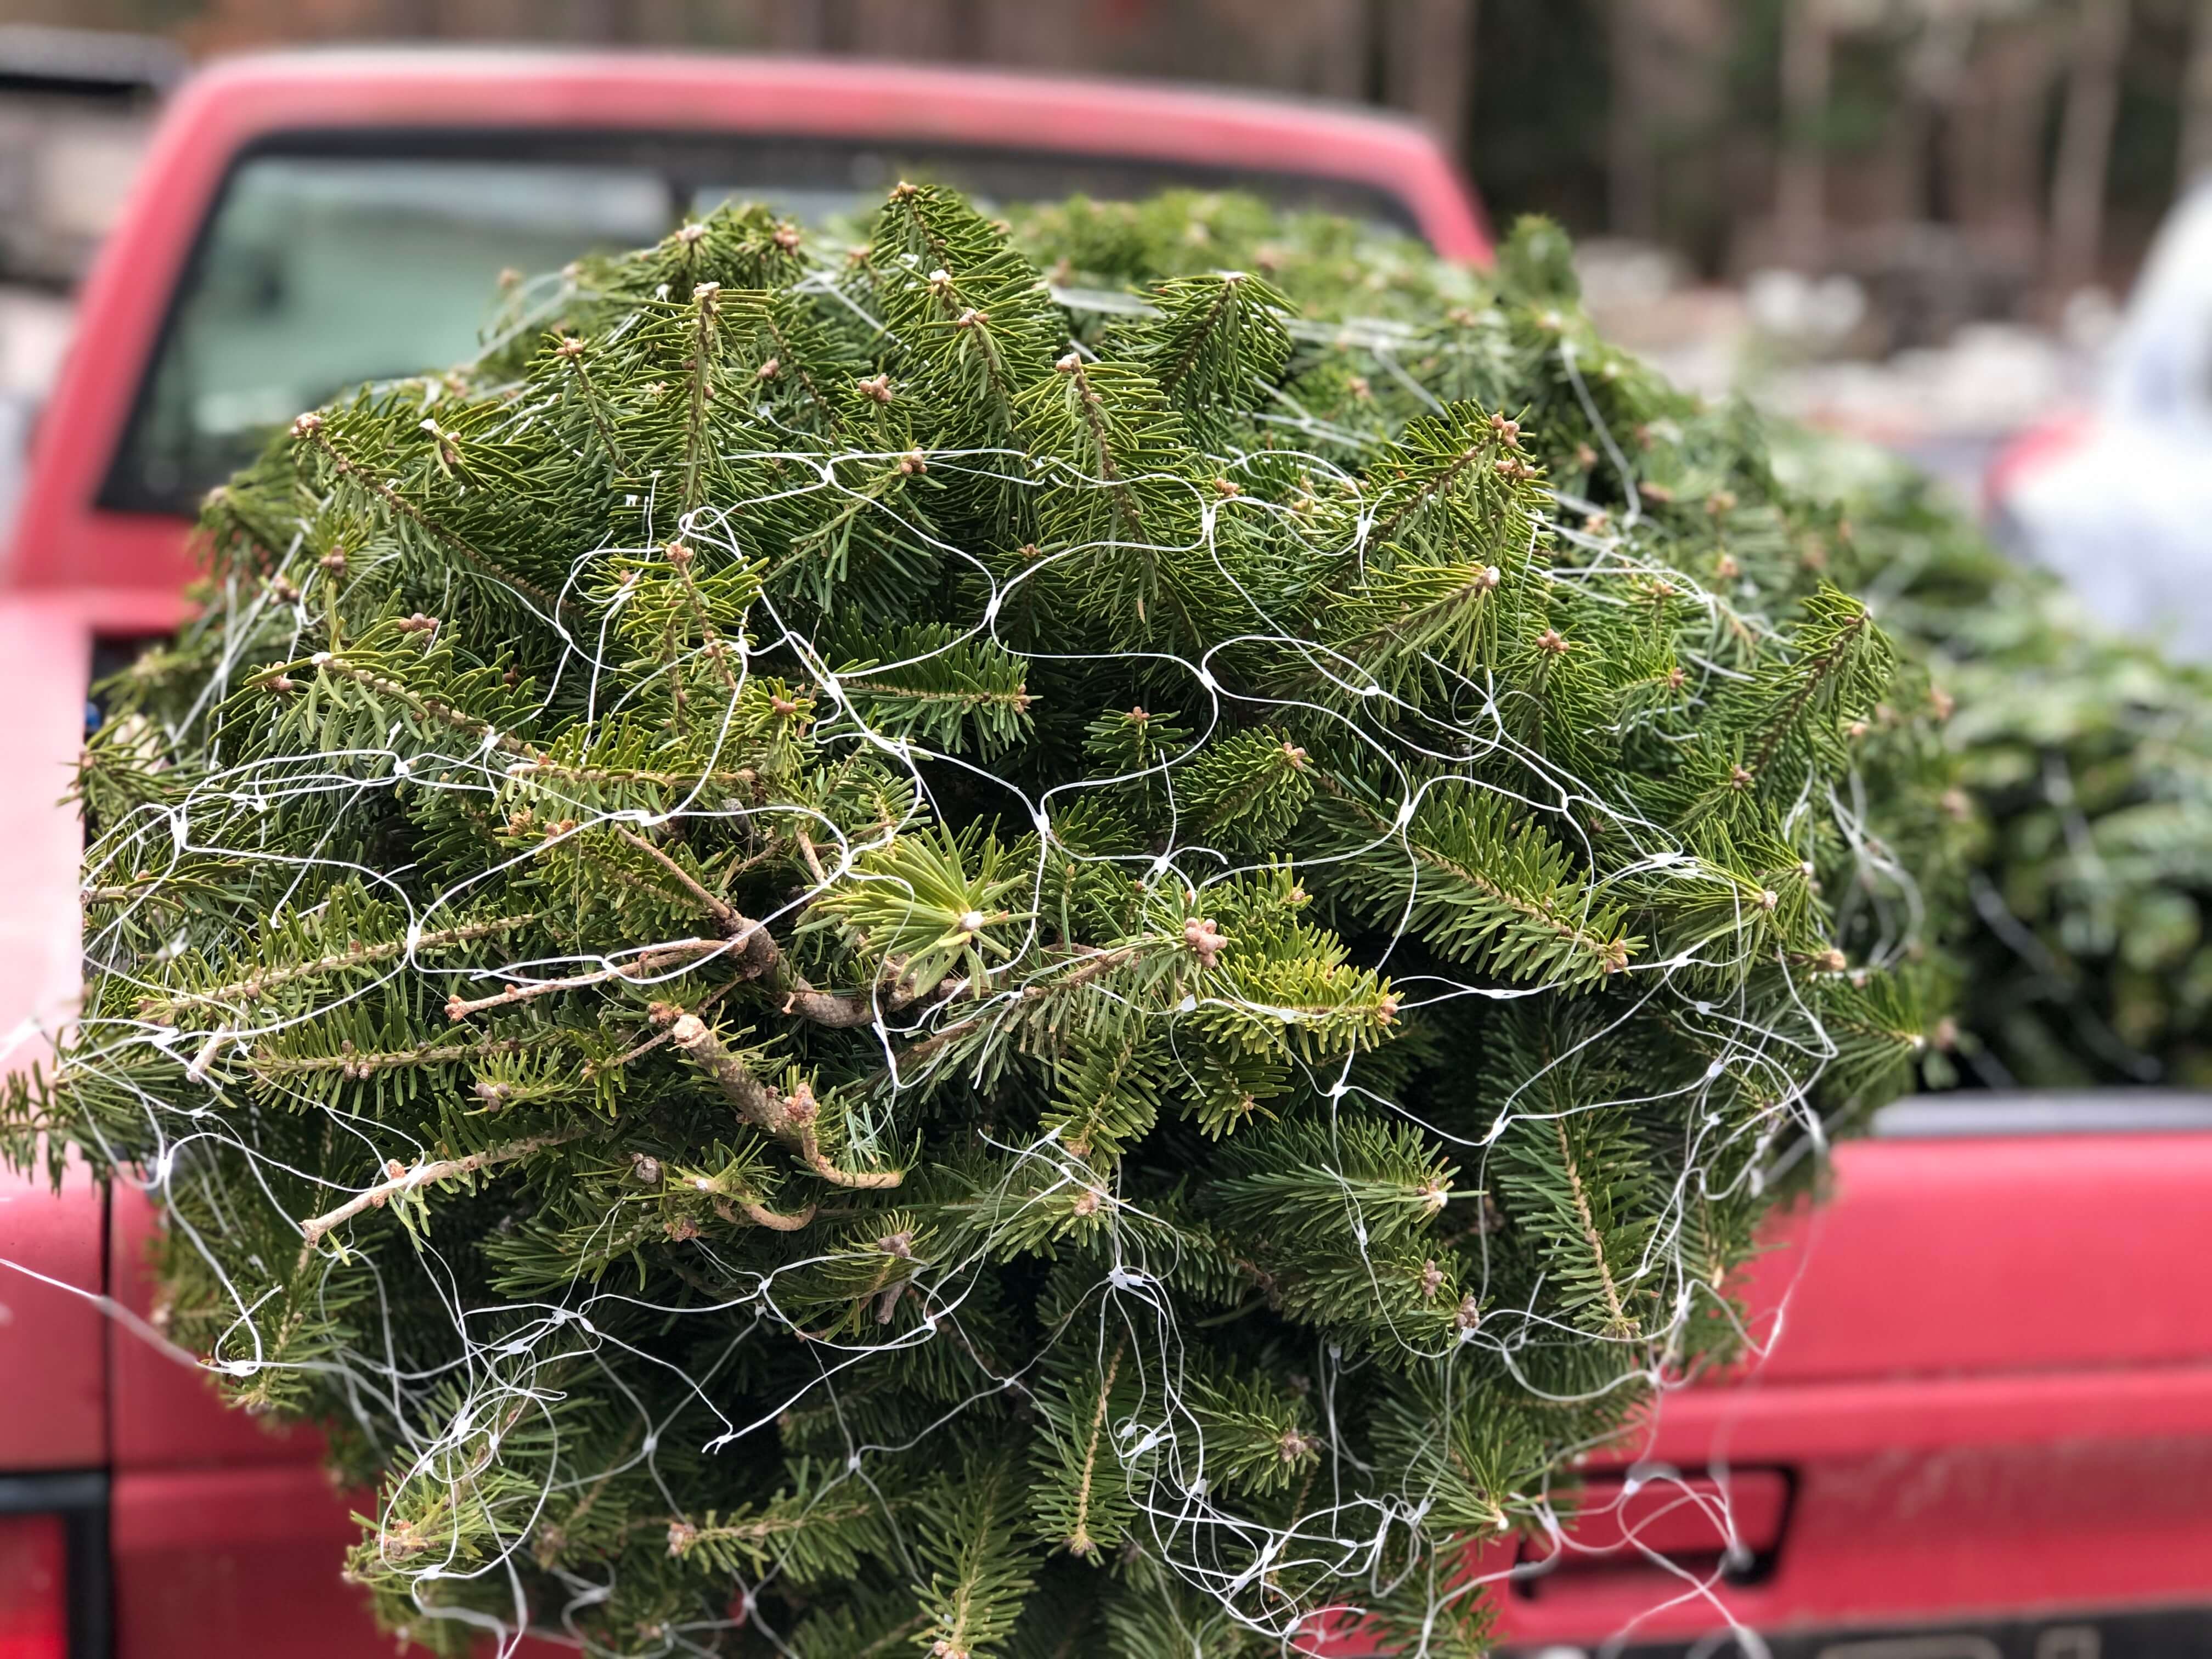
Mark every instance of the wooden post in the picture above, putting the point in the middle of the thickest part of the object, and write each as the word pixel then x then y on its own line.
pixel 612 22
pixel 925 29
pixel 2197 98
pixel 809 26
pixel 1631 166
pixel 1800 208
pixel 1428 64
pixel 2085 144
pixel 412 20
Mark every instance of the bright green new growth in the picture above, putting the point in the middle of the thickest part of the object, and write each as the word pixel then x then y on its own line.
pixel 849 962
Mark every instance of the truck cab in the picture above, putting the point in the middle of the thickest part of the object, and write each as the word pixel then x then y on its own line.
pixel 1979 1424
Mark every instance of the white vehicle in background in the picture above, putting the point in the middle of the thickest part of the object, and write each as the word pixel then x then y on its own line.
pixel 2118 500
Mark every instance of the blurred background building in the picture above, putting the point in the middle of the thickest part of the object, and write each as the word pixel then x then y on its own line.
pixel 1905 217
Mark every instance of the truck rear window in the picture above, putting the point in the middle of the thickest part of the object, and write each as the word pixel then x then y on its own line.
pixel 336 259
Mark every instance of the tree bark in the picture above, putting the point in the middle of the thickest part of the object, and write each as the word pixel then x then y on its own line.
pixel 612 22
pixel 2197 100
pixel 1801 183
pixel 1631 168
pixel 2085 143
pixel 1428 64
pixel 412 20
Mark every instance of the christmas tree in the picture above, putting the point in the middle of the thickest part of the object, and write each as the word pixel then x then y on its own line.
pixel 2049 852
pixel 857 954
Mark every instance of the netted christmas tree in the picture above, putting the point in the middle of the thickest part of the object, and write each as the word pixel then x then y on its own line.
pixel 2050 850
pixel 1757 512
pixel 850 957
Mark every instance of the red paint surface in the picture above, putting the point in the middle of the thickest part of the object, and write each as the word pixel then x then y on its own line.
pixel 52 1399
pixel 2052 1524
pixel 33 1581
pixel 53 1396
pixel 227 1536
pixel 1992 1387
pixel 225 1564
pixel 2064 1460
pixel 46 657
pixel 2029 452
pixel 1621 1523
pixel 167 1412
pixel 2038 1253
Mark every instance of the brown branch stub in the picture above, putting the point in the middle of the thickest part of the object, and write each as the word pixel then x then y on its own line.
pixel 357 954
pixel 787 1119
pixel 757 1104
pixel 759 957
pixel 1620 1320
pixel 642 966
pixel 761 1216
pixel 405 1179
pixel 732 924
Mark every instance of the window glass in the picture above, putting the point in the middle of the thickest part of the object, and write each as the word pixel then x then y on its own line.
pixel 321 272
pixel 337 259
pixel 818 184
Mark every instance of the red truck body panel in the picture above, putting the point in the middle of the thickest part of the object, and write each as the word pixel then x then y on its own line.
pixel 53 1405
pixel 1991 1388
pixel 1988 1382
pixel 53 1338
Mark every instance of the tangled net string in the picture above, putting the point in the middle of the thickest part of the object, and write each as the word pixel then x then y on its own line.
pixel 878 959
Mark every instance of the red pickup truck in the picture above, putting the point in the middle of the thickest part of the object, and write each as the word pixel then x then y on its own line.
pixel 1982 1428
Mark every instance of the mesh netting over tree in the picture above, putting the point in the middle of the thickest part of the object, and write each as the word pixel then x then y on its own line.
pixel 2058 836
pixel 867 958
